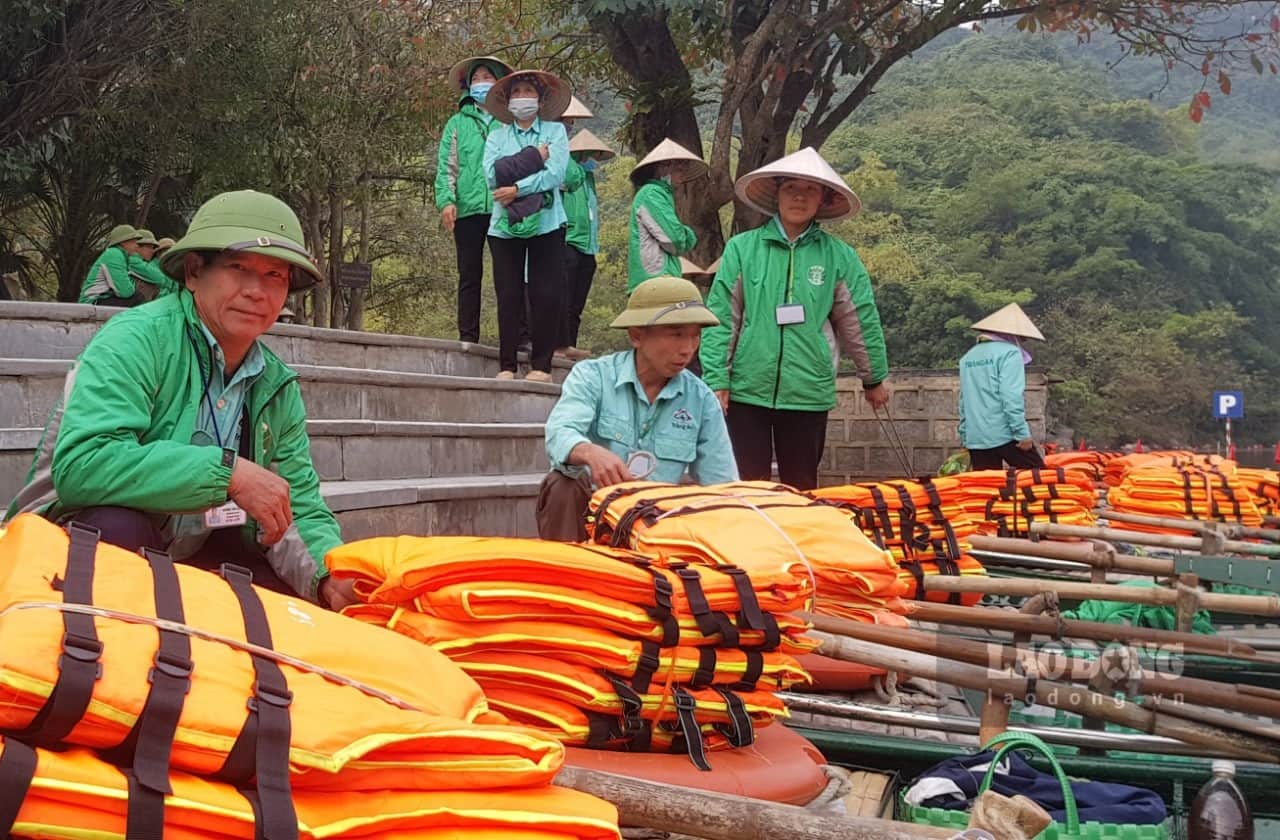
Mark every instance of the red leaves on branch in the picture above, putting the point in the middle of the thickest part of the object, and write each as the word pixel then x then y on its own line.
pixel 1224 83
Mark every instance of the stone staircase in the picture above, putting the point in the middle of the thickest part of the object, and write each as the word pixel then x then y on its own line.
pixel 409 435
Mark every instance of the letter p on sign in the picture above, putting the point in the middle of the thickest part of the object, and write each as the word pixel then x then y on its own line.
pixel 1228 405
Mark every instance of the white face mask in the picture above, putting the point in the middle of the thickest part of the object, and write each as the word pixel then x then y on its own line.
pixel 523 108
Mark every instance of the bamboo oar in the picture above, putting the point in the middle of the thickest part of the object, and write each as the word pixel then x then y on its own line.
pixel 1044 625
pixel 722 816
pixel 1087 553
pixel 1053 529
pixel 1052 693
pixel 993 655
pixel 1260 605
pixel 1258 728
pixel 1230 530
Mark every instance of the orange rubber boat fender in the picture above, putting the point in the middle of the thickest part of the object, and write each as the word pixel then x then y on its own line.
pixel 761 527
pixel 76 794
pixel 641 662
pixel 838 675
pixel 781 766
pixel 167 666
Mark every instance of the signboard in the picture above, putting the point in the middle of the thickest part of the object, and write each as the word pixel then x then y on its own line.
pixel 355 275
pixel 1228 405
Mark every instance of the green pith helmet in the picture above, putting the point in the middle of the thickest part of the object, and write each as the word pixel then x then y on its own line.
pixel 121 233
pixel 664 301
pixel 246 220
pixel 146 237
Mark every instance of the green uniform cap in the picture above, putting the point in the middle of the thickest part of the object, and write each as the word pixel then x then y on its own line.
pixel 121 233
pixel 246 221
pixel 665 301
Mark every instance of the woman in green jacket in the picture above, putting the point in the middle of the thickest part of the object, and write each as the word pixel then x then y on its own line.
pixel 462 196
pixel 658 237
pixel 788 294
pixel 582 234
pixel 181 432
pixel 108 282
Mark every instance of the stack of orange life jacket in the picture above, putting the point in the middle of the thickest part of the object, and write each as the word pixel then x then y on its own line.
pixel 184 703
pixel 1199 489
pixel 601 647
pixel 1092 461
pixel 760 528
pixel 1006 502
pixel 926 533
pixel 1264 485
pixel 1118 468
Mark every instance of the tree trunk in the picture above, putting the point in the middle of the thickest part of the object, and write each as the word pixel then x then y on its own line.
pixel 320 293
pixel 338 313
pixel 355 314
pixel 148 198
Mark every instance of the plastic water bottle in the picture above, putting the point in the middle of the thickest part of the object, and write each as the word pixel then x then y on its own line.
pixel 1219 811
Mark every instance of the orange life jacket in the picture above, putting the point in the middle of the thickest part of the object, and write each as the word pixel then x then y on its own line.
pixel 1210 492
pixel 497 579
pixel 74 794
pixel 1006 502
pixel 163 665
pixel 1264 486
pixel 762 528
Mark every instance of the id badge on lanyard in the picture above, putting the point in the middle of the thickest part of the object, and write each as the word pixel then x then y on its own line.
pixel 790 313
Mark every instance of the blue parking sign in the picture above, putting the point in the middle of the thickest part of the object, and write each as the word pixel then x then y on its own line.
pixel 1228 405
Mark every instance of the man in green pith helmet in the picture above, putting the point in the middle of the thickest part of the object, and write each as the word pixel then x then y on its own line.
pixel 144 268
pixel 180 431
pixel 108 282
pixel 638 413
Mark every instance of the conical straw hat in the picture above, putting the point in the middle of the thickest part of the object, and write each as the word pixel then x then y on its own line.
pixel 460 73
pixel 585 141
pixel 759 189
pixel 576 110
pixel 669 150
pixel 551 104
pixel 1010 320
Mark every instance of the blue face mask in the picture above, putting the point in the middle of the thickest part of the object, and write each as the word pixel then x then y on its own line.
pixel 589 164
pixel 479 90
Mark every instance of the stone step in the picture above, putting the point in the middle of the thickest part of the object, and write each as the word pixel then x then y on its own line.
pixel 500 505
pixel 363 450
pixel 29 388
pixel 34 330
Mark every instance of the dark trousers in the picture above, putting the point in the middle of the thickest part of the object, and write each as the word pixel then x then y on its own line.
pixel 469 234
pixel 797 437
pixel 545 260
pixel 134 530
pixel 579 272
pixel 995 459
pixel 562 507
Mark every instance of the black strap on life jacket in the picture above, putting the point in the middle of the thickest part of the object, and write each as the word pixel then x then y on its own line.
pixel 710 623
pixel 261 751
pixel 705 674
pixel 17 769
pixel 739 730
pixel 753 672
pixel 80 665
pixel 147 748
pixel 686 705
pixel 647 666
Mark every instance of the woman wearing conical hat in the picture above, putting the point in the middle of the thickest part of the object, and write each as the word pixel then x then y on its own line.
pixel 658 237
pixel 462 196
pixel 993 415
pixel 581 234
pixel 787 295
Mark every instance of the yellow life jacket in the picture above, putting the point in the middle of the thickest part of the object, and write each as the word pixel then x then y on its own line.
pixel 162 666
pixel 75 794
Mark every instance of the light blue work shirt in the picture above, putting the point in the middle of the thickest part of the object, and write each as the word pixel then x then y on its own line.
pixel 593 210
pixel 992 381
pixel 603 402
pixel 506 140
pixel 217 424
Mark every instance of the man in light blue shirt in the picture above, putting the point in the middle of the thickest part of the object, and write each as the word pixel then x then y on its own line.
pixel 993 417
pixel 637 414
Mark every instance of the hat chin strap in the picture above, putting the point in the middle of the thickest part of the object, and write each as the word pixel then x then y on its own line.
pixel 675 307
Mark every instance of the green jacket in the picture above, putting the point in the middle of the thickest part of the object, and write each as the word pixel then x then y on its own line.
pixel 658 237
pixel 109 275
pixel 460 161
pixel 122 436
pixel 749 353
pixel 579 198
pixel 140 269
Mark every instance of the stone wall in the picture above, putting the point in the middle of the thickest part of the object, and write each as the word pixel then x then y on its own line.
pixel 924 407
